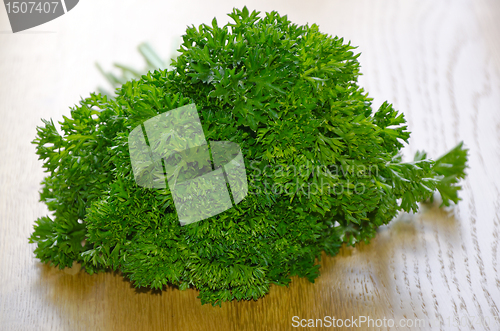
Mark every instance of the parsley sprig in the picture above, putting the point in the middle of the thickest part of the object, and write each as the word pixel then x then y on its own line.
pixel 288 95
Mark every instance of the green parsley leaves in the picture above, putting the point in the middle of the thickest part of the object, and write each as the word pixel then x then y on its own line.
pixel 323 167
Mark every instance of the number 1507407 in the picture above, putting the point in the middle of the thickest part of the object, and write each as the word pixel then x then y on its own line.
pixel 31 7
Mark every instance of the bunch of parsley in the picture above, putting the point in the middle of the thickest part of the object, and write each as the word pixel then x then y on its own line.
pixel 288 95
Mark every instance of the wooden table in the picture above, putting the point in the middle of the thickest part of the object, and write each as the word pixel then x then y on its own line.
pixel 437 61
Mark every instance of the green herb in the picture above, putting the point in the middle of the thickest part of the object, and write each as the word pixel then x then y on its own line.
pixel 148 54
pixel 288 95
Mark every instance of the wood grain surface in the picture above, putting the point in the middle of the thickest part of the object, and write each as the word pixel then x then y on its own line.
pixel 438 61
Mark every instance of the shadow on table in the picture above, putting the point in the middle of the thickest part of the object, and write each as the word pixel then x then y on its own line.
pixel 381 279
